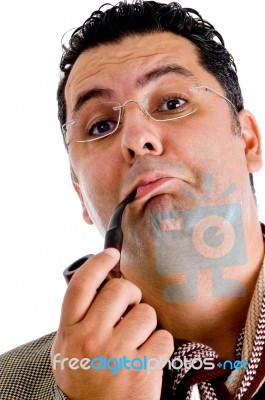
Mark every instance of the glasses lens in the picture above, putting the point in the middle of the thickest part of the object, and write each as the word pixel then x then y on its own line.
pixel 94 121
pixel 170 102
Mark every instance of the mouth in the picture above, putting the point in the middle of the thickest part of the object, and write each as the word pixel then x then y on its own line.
pixel 151 188
pixel 152 185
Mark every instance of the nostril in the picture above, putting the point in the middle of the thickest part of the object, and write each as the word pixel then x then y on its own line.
pixel 149 146
pixel 132 153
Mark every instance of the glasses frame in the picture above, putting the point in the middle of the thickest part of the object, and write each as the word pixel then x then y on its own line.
pixel 121 108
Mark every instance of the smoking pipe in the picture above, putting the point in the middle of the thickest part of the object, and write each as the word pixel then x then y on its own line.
pixel 113 238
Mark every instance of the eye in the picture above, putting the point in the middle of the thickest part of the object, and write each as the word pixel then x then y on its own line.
pixel 102 128
pixel 172 104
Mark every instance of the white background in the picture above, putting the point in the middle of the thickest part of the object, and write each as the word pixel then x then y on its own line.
pixel 41 228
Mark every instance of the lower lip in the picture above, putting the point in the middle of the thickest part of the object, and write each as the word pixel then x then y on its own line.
pixel 144 190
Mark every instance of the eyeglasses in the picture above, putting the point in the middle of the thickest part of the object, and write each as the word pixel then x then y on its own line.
pixel 97 120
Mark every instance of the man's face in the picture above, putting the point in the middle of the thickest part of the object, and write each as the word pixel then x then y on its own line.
pixel 159 158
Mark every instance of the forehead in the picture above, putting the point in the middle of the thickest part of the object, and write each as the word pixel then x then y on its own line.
pixel 120 66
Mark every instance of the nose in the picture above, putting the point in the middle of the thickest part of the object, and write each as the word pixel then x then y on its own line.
pixel 140 134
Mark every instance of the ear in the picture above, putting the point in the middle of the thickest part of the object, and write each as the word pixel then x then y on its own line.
pixel 252 140
pixel 76 186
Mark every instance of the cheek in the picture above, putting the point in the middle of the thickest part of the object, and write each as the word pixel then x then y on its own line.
pixel 213 137
pixel 96 184
pixel 99 182
pixel 208 145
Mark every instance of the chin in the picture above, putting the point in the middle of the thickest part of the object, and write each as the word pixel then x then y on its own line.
pixel 165 203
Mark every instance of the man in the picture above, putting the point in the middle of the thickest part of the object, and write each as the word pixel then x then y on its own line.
pixel 149 101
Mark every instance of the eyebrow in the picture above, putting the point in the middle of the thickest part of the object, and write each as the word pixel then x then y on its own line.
pixel 165 70
pixel 150 76
pixel 91 94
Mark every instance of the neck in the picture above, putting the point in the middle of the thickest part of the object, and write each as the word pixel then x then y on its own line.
pixel 216 322
pixel 213 320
